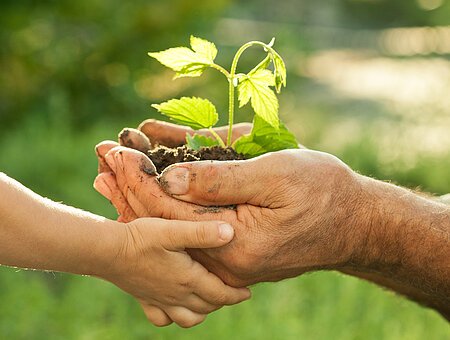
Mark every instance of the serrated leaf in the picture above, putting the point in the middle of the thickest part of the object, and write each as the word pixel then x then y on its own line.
pixel 264 102
pixel 191 111
pixel 265 138
pixel 196 142
pixel 204 48
pixel 179 58
pixel 186 62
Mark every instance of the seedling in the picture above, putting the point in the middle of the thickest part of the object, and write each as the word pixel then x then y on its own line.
pixel 255 87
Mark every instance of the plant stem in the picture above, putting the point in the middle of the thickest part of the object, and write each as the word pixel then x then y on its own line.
pixel 216 136
pixel 231 86
pixel 230 109
pixel 221 70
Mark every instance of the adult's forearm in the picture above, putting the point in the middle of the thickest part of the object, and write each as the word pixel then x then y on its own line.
pixel 406 244
pixel 40 234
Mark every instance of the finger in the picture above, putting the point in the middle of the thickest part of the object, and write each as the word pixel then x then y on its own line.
pixel 102 187
pixel 184 317
pixel 172 135
pixel 214 291
pixel 156 315
pixel 105 184
pixel 134 139
pixel 222 183
pixel 136 205
pixel 198 305
pixel 101 150
pixel 109 157
pixel 237 131
pixel 179 235
pixel 134 175
pixel 122 219
pixel 167 134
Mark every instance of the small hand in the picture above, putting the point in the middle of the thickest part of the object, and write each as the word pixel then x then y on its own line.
pixel 152 266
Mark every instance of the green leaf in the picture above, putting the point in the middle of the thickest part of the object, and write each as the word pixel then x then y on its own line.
pixel 196 142
pixel 204 48
pixel 255 86
pixel 265 138
pixel 186 62
pixel 246 146
pixel 280 71
pixel 191 111
pixel 262 65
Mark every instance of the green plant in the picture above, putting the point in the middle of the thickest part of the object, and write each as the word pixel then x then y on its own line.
pixel 268 133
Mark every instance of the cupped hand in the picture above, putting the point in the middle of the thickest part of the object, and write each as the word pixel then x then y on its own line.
pixel 292 209
pixel 157 133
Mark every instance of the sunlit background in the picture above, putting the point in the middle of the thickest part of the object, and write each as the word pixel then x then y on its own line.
pixel 368 80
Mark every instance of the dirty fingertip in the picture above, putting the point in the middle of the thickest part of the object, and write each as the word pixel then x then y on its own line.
pixel 175 180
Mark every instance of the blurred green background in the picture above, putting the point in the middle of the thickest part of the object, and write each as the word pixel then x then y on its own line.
pixel 368 81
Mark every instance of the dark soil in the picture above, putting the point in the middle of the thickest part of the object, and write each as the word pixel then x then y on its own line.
pixel 162 156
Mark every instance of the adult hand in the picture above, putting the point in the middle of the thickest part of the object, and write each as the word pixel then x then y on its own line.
pixel 157 133
pixel 282 226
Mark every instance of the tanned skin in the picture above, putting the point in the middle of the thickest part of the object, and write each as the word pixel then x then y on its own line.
pixel 296 211
pixel 408 244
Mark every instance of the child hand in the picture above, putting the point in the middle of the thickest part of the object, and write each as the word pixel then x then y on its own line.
pixel 152 265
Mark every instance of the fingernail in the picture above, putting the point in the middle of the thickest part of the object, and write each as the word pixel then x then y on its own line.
pixel 226 232
pixel 176 180
pixel 103 188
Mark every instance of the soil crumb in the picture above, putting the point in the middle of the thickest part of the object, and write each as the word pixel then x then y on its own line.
pixel 162 156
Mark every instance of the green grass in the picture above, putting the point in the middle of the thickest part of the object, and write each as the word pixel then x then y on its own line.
pixel 316 306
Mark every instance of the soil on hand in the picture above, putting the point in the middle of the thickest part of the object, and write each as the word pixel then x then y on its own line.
pixel 162 156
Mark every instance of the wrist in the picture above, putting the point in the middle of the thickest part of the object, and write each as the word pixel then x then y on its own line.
pixel 394 225
pixel 377 223
pixel 102 260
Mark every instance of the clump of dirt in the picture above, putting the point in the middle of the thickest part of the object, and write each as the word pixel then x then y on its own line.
pixel 162 156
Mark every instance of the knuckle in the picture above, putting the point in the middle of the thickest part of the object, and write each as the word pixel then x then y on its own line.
pixel 185 284
pixel 201 233
pixel 221 298
pixel 210 181
pixel 171 238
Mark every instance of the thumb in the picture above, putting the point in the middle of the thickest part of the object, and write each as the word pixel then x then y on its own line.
pixel 220 182
pixel 179 235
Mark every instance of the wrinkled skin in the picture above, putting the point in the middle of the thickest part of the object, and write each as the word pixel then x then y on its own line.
pixel 280 230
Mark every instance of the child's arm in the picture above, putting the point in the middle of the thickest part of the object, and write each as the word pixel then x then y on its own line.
pixel 146 258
